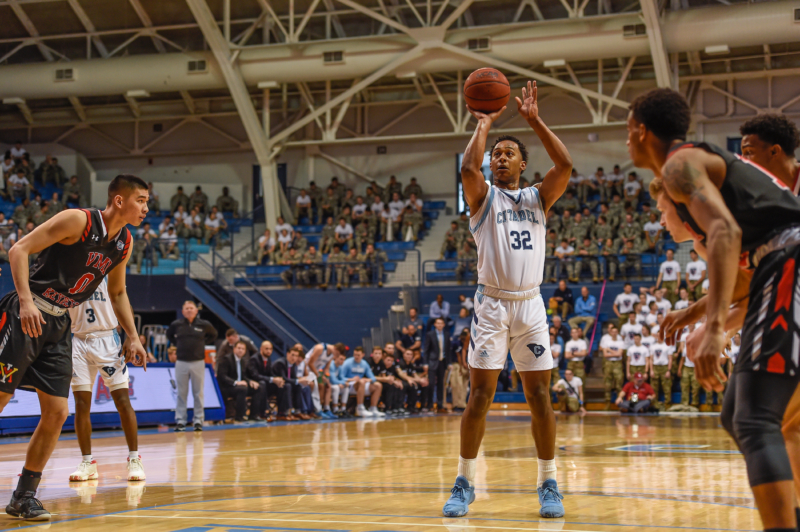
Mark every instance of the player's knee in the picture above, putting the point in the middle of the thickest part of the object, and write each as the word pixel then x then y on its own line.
pixel 55 415
pixel 480 399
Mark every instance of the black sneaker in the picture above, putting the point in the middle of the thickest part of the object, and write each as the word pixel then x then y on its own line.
pixel 27 507
pixel 180 427
pixel 198 427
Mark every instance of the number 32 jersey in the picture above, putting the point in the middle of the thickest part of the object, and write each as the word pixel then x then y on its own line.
pixel 95 314
pixel 68 275
pixel 509 230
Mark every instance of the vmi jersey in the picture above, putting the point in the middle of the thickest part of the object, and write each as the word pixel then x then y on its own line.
pixel 509 230
pixel 95 314
pixel 69 275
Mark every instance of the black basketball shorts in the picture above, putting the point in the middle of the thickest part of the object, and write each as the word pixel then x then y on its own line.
pixel 771 333
pixel 43 363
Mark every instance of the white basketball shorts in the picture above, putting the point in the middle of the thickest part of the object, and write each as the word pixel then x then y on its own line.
pixel 98 353
pixel 503 325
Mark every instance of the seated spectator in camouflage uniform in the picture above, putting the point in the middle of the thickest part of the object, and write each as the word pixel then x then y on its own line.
pixel 463 221
pixel 412 223
pixel 179 198
pixel 453 240
pixel 348 200
pixel 629 230
pixel 374 261
pixel 328 238
pixel 328 206
pixel 226 203
pixel 602 231
pixel 313 267
pixel 335 260
pixel 191 226
pixel 43 214
pixel 550 260
pixel 293 260
pixel 316 194
pixel 266 246
pixel 52 171
pixel 588 187
pixel 355 260
pixel 299 242
pixel 344 234
pixel 168 244
pixel 55 204
pixel 632 252
pixel 569 202
pixel 564 252
pixel 198 200
pixel 586 255
pixel 580 228
pixel 145 248
pixel 413 188
pixel 467 263
pixel 153 202
pixel 345 213
pixel 392 188
pixel 339 190
pixel 566 222
pixel 24 212
pixel 363 235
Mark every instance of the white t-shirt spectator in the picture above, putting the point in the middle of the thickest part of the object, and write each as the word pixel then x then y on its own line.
pixel 648 341
pixel 638 354
pixel 670 270
pixel 695 270
pixel 641 319
pixel 359 209
pixel 565 250
pixel 281 227
pixel 625 302
pixel 266 242
pixel 615 178
pixel 396 207
pixel 196 221
pixel 344 232
pixel 627 331
pixel 140 233
pixel 573 346
pixel 10 239
pixel 178 216
pixel 571 388
pixel 285 238
pixel 167 238
pixel 704 286
pixel 17 182
pixel 733 352
pixel 7 167
pixel 387 216
pixel 163 226
pixel 17 153
pixel 651 319
pixel 577 179
pixel 212 224
pixel 468 303
pixel 660 353
pixel 303 201
pixel 648 297
pixel 617 346
pixel 632 188
pixel 654 329
pixel 652 228
pixel 418 203
pixel 377 208
pixel 664 306
pixel 681 304
pixel 684 335
pixel 555 349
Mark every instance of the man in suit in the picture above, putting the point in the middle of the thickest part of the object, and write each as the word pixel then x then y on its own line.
pixel 233 381
pixel 437 351
pixel 300 392
pixel 260 370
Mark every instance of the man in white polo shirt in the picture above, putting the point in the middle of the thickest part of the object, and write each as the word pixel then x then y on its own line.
pixel 695 275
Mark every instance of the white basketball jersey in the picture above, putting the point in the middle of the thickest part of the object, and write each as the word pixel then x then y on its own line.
pixel 323 358
pixel 95 314
pixel 510 233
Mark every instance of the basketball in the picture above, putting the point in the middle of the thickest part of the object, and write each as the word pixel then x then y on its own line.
pixel 487 90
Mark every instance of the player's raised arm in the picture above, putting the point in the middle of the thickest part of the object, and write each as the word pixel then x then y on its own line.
pixel 472 178
pixel 557 178
pixel 66 228
pixel 686 181
pixel 118 295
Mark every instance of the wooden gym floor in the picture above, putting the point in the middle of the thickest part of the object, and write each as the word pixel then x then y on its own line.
pixel 667 473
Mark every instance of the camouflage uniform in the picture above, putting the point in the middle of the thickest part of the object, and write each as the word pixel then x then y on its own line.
pixel 390 189
pixel 601 233
pixel 578 368
pixel 463 223
pixel 659 380
pixel 313 269
pixel 576 233
pixel 412 189
pixel 373 265
pixel 316 194
pixel 328 239
pixel 228 204
pixel 453 240
pixel 295 268
pixel 199 200
pixel 570 203
pixel 41 217
pixel 415 220
pixel 336 260
pixel 554 223
pixel 328 207
pixel 609 253
pixel 179 199
pixel 550 261
pixel 575 268
pixel 689 386
pixel 613 376
pixel 363 236
pixel 634 259
pixel 372 221
pixel 143 249
pixel 300 244
pixel 468 262
pixel 631 231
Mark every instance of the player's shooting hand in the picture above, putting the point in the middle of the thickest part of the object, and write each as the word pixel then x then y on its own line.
pixel 138 354
pixel 31 318
pixel 528 106
pixel 673 323
pixel 694 340
pixel 706 361
pixel 486 117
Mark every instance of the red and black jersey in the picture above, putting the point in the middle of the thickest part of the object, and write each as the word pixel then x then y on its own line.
pixel 68 275
pixel 760 203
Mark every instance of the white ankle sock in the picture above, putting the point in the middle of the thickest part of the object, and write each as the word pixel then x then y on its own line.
pixel 87 457
pixel 467 469
pixel 133 454
pixel 547 470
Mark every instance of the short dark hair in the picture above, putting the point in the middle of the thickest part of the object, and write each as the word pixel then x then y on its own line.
pixel 241 342
pixel 230 332
pixel 665 112
pixel 523 150
pixel 124 184
pixel 773 128
pixel 340 347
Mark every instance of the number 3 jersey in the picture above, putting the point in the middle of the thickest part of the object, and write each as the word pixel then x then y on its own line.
pixel 95 314
pixel 509 230
pixel 68 275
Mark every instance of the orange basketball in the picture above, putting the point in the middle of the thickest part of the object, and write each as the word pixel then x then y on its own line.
pixel 487 90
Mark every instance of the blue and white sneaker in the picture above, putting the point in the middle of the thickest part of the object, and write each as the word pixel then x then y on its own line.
pixel 461 496
pixel 550 499
pixel 327 414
